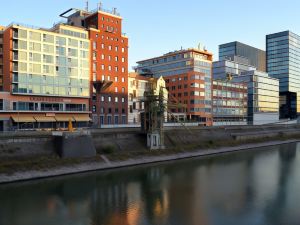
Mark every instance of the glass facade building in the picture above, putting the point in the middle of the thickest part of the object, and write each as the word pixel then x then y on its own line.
pixel 257 57
pixel 50 63
pixel 283 60
pixel 263 97
pixel 229 103
pixel 234 65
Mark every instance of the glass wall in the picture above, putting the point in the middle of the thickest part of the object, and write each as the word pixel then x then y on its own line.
pixel 48 63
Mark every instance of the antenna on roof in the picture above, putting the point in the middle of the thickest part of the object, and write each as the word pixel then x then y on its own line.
pixel 87 5
pixel 100 5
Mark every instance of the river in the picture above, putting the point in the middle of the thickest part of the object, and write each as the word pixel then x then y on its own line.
pixel 258 186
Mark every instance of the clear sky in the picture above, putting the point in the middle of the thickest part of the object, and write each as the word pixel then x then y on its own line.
pixel 156 27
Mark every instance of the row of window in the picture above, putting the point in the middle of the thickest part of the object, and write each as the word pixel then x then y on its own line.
pixel 110 38
pixel 110 47
pixel 108 110
pixel 109 57
pixel 43 106
pixel 116 68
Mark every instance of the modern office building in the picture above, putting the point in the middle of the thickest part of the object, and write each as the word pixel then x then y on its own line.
pixel 137 86
pixel 109 63
pixel 263 97
pixel 1 57
pixel 283 60
pixel 46 78
pixel 233 65
pixel 257 57
pixel 229 103
pixel 188 79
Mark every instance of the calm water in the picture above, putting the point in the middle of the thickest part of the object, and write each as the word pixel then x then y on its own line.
pixel 253 187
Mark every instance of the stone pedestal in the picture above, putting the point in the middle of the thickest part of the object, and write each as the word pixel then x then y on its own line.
pixel 153 141
pixel 78 144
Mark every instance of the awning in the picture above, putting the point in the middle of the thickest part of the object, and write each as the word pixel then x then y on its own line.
pixel 64 118
pixel 44 119
pixel 23 119
pixel 81 118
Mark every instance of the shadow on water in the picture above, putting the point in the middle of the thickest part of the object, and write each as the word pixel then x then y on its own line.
pixel 249 187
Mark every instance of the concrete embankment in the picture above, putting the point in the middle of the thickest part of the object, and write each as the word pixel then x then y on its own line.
pixel 27 151
pixel 87 167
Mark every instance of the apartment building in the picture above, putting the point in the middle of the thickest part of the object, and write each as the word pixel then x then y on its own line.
pixel 137 86
pixel 109 63
pixel 188 79
pixel 46 79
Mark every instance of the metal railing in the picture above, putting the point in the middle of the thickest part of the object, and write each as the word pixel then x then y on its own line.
pixel 113 12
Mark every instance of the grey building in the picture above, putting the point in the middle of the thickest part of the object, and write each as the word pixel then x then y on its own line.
pixel 263 97
pixel 234 65
pixel 257 57
pixel 283 62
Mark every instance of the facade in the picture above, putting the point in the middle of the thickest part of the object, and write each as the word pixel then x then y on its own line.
pixel 229 103
pixel 283 60
pixel 109 63
pixel 46 79
pixel 137 86
pixel 1 57
pixel 233 65
pixel 257 57
pixel 188 79
pixel 263 97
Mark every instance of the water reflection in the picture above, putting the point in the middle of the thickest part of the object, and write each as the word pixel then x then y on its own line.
pixel 252 187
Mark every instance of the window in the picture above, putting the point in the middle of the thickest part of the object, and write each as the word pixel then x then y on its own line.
pixel 94 108
pixel 116 68
pixel 102 56
pixel 102 98
pixel 116 99
pixel 116 58
pixel 94 66
pixel 109 68
pixel 123 59
pixel 123 70
pixel 102 77
pixel 102 67
pixel 94 45
pixel 123 90
pixel 116 89
pixel 116 79
pixel 108 78
pixel 123 79
pixel 102 46
pixel 109 98
pixel 116 48
pixel 109 47
pixel 109 57
pixel 123 49
pixel 123 100
pixel 94 55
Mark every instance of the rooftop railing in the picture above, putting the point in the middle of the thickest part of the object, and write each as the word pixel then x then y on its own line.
pixel 113 11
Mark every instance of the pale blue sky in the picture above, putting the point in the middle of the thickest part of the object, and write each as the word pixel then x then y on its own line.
pixel 156 27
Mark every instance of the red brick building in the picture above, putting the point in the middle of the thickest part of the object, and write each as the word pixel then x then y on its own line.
pixel 109 63
pixel 188 79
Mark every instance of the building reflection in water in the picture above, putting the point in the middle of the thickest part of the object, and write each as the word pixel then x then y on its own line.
pixel 250 187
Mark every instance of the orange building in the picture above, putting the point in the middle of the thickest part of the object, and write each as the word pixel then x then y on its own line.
pixel 1 57
pixel 109 63
pixel 188 79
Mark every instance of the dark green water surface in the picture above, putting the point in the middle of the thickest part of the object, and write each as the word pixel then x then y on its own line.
pixel 243 188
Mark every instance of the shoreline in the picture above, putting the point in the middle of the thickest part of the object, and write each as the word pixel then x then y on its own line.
pixel 109 165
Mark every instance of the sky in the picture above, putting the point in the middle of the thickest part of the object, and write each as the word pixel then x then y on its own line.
pixel 156 27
